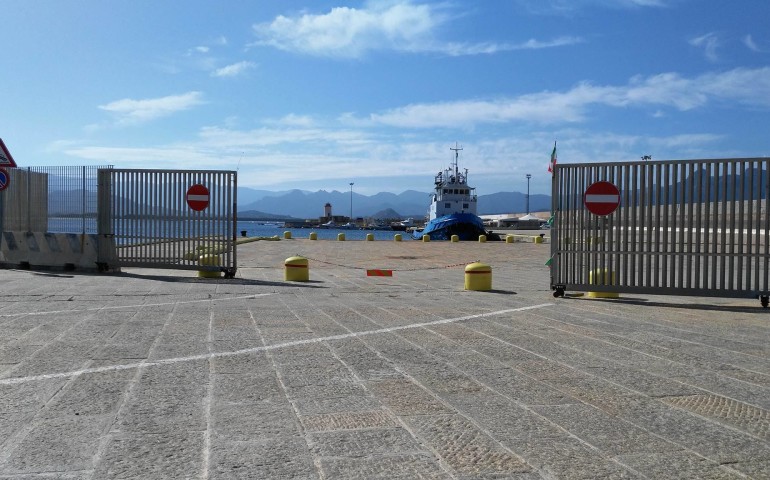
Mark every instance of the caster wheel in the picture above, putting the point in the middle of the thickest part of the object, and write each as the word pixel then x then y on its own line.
pixel 764 300
pixel 559 292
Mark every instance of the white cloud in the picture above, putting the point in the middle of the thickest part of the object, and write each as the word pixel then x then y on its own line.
pixel 709 43
pixel 751 44
pixel 233 70
pixel 745 86
pixel 129 111
pixel 347 32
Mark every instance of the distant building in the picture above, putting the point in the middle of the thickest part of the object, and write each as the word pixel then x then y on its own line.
pixel 328 210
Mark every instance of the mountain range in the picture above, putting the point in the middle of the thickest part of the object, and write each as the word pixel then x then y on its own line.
pixel 305 204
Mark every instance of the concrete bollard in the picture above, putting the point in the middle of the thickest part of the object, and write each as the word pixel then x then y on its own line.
pixel 601 276
pixel 482 238
pixel 426 238
pixel 509 239
pixel 287 235
pixel 369 237
pixel 313 236
pixel 397 237
pixel 340 237
pixel 478 276
pixel 209 260
pixel 296 269
pixel 455 238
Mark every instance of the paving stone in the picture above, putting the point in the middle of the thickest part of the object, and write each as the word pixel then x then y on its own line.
pixel 406 466
pixel 169 455
pixel 244 422
pixel 57 445
pixel 28 396
pixel 246 388
pixel 90 394
pixel 748 418
pixel 363 443
pixel 348 420
pixel 361 402
pixel 281 457
pixel 463 447
pixel 676 464
pixel 404 397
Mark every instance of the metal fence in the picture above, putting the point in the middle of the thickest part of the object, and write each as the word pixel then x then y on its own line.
pixel 51 199
pixel 169 218
pixel 691 227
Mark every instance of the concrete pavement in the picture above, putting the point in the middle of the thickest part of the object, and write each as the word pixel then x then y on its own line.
pixel 159 374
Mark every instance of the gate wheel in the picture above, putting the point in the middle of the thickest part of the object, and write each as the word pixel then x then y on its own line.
pixel 230 273
pixel 559 292
pixel 764 300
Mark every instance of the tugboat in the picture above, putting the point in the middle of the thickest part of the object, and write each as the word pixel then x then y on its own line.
pixel 452 209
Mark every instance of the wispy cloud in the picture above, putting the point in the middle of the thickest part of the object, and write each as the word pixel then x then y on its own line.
pixel 709 43
pixel 233 70
pixel 743 86
pixel 129 111
pixel 346 32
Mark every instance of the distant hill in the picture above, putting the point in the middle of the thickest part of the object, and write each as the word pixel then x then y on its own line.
pixel 303 204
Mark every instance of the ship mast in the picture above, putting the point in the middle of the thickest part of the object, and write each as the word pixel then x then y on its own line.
pixel 456 149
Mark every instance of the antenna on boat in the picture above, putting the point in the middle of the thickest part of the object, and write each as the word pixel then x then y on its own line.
pixel 456 149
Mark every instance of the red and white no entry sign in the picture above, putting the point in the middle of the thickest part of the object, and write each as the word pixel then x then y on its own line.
pixel 601 198
pixel 198 197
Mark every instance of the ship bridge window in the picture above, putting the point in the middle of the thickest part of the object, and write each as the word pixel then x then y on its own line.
pixel 447 205
pixel 465 205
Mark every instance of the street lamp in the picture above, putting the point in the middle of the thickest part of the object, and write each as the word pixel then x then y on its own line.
pixel 528 177
pixel 351 202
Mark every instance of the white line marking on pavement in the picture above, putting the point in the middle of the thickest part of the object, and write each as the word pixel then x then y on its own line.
pixel 207 356
pixel 139 305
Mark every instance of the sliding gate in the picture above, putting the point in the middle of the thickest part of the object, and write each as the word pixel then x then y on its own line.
pixel 167 219
pixel 691 227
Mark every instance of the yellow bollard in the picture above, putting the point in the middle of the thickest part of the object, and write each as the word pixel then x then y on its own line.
pixel 601 276
pixel 397 237
pixel 313 236
pixel 482 238
pixel 509 239
pixel 287 235
pixel 455 238
pixel 426 238
pixel 296 269
pixel 209 260
pixel 478 276
pixel 538 239
pixel 341 237
pixel 369 237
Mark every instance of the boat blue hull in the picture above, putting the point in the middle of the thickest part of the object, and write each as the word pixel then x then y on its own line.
pixel 467 226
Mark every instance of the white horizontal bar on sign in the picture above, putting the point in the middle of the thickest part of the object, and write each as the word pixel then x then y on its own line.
pixel 602 198
pixel 198 198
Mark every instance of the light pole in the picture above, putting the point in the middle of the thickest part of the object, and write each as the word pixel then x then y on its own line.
pixel 528 177
pixel 351 202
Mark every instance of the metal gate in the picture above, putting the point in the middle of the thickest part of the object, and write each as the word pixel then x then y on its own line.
pixel 167 219
pixel 690 227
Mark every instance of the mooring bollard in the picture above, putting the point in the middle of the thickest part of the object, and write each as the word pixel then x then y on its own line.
pixel 397 237
pixel 296 269
pixel 601 276
pixel 539 239
pixel 482 238
pixel 426 238
pixel 478 276
pixel 340 237
pixel 455 238
pixel 209 260
pixel 287 235
pixel 369 237
pixel 509 239
pixel 313 236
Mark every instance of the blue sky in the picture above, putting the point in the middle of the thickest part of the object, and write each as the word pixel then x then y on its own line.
pixel 315 95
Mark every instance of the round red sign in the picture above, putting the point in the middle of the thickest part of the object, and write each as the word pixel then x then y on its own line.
pixel 198 197
pixel 601 198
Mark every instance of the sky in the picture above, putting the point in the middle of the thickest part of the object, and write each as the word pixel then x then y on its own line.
pixel 315 95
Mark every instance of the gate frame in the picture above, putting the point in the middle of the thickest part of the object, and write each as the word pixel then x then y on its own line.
pixel 163 196
pixel 663 204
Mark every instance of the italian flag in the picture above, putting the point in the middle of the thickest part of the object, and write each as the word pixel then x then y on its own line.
pixel 553 159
